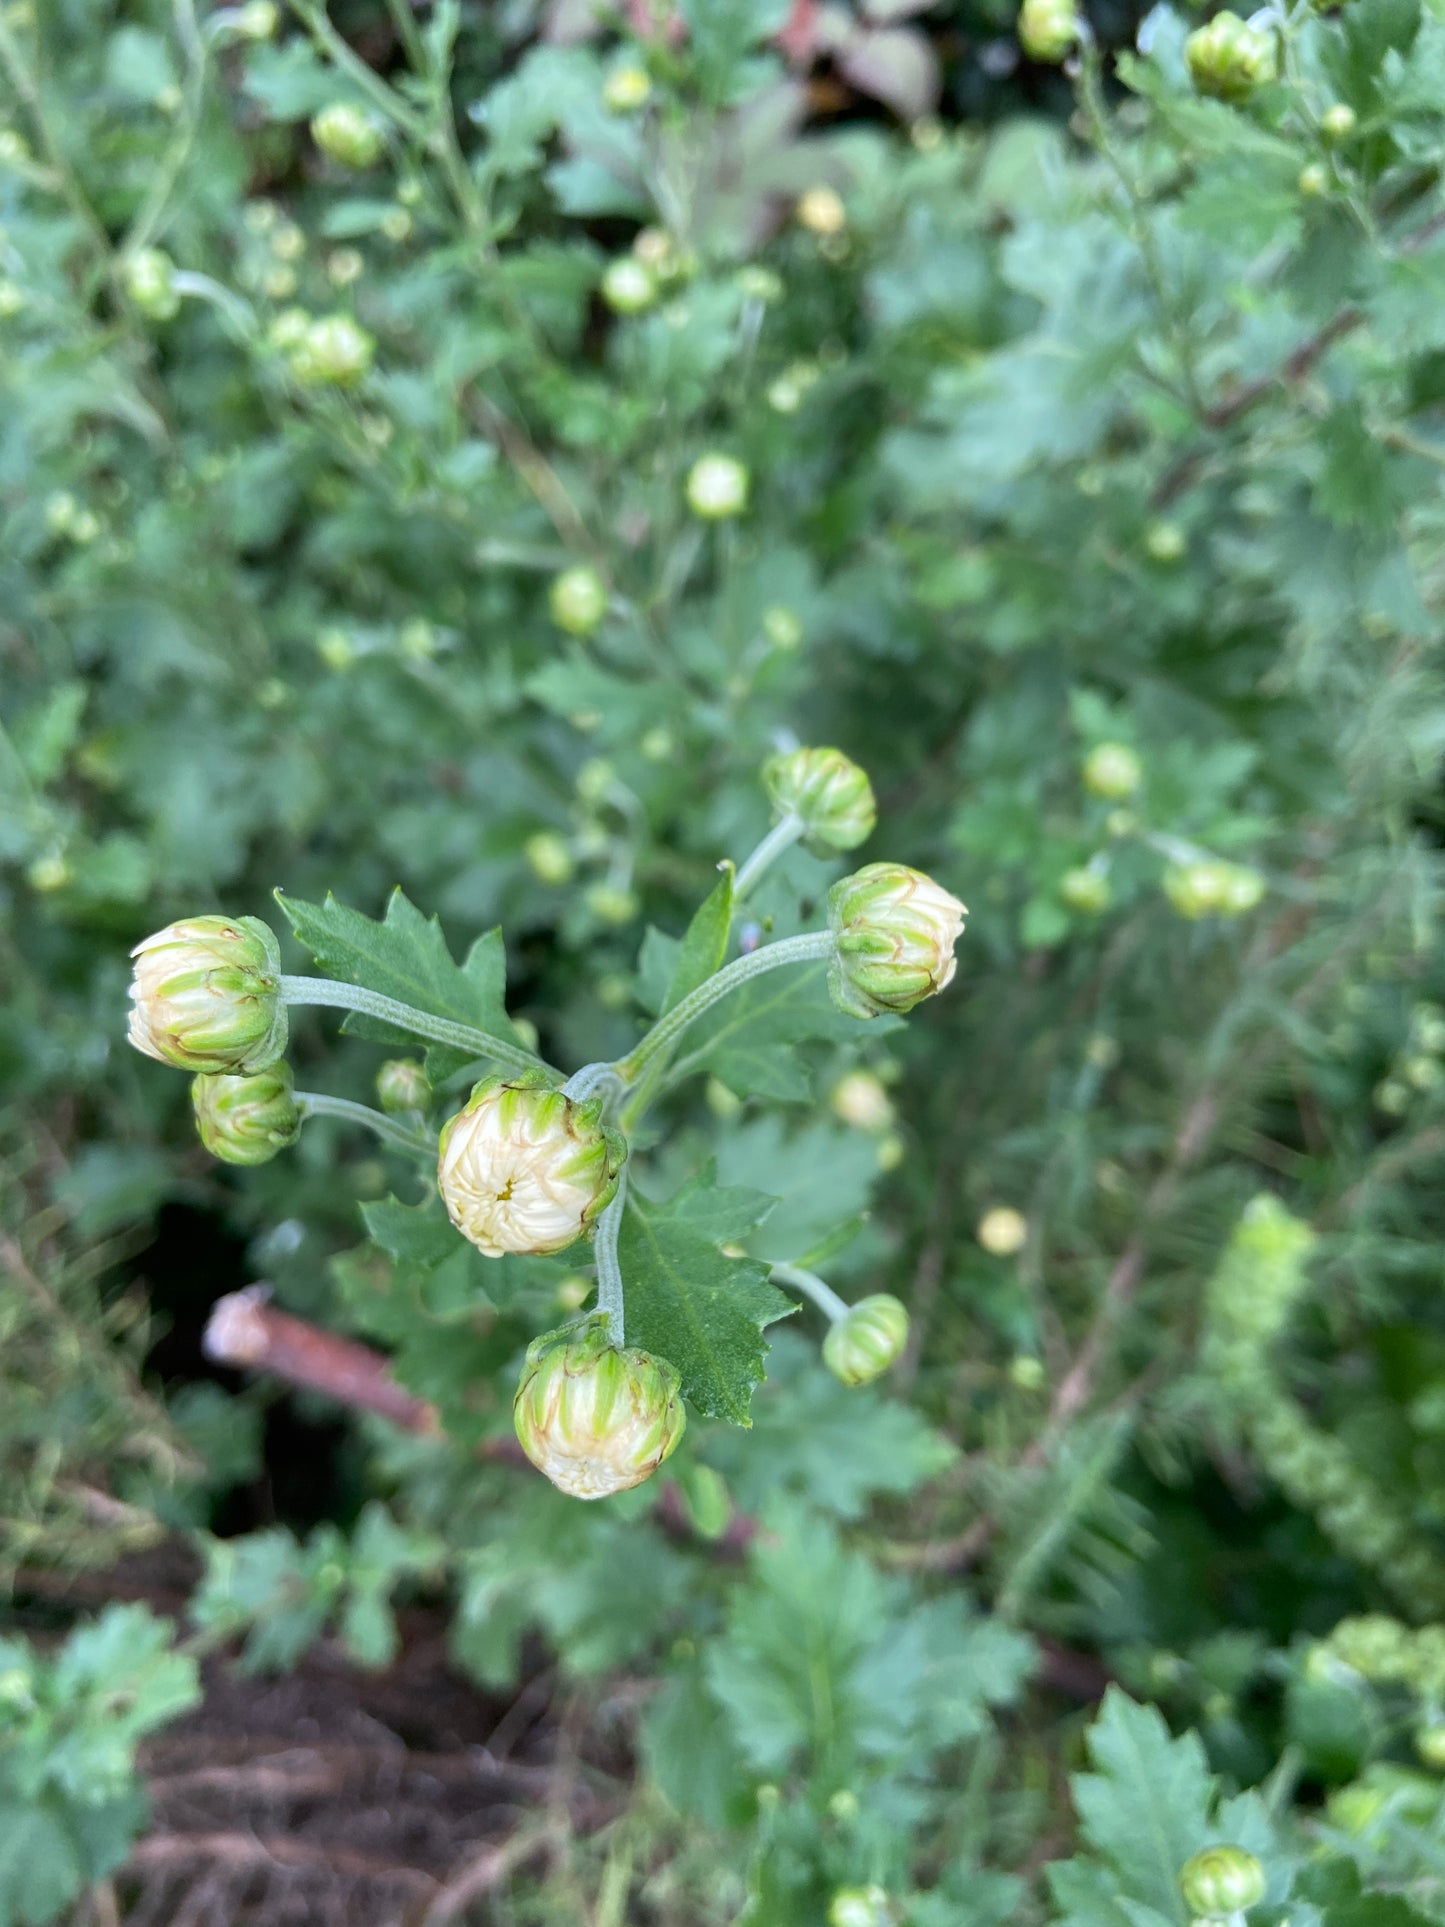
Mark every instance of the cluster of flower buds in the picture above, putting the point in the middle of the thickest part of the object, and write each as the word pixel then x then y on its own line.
pixel 1220 1882
pixel 1229 59
pixel 825 792
pixel 1210 887
pixel 332 351
pixel 1048 29
pixel 862 1346
pixel 893 932
pixel 524 1169
pixel 595 1419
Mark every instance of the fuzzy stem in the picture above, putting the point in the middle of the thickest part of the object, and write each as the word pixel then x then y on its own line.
pixel 810 948
pixel 440 1030
pixel 609 1268
pixel 317 1104
pixel 782 836
pixel 812 1286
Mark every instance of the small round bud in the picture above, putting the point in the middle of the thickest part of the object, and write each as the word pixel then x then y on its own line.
pixel 347 134
pixel 1087 891
pixel 1002 1231
pixel 1048 29
pixel 1430 1745
pixel 549 857
pixel 1112 771
pixel 860 1100
pixel 397 224
pixel 893 931
pixel 1313 180
pixel 658 745
pixel 862 1346
pixel 844 1806
pixel 1164 542
pixel 821 211
pixel 657 249
pixel 758 283
pixel 628 285
pixel 1228 59
pixel 610 902
pixel 594 1419
pixel 717 488
pixel 336 649
pixel 596 780
pixel 289 330
pixel 626 89
pixel 1027 1372
pixel 522 1168
pixel 1221 1881
pixel 206 996
pixel 246 1120
pixel 827 792
pixel 577 599
pixel 858 1907
pixel 335 352
pixel 781 628
pixel 257 20
pixel 1211 888
pixel 1392 1097
pixel 1337 123
pixel 288 242
pixel 785 397
pixel 1423 1073
pixel 345 265
pixel 60 512
pixel 149 281
pixel 403 1085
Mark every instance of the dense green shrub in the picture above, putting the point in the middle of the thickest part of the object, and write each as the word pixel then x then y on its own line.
pixel 441 457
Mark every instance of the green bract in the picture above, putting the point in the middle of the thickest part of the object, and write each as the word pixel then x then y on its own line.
pixel 524 1169
pixel 246 1120
pixel 206 995
pixel 1229 58
pixel 893 934
pixel 827 793
pixel 863 1345
pixel 595 1419
pixel 1221 1881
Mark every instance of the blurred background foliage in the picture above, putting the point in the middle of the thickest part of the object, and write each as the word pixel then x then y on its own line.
pixel 1079 411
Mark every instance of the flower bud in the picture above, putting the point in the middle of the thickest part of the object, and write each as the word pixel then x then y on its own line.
pixel 1047 29
pixel 549 857
pixel 758 283
pixel 1221 1881
pixel 206 996
pixel 610 902
pixel 858 1907
pixel 348 134
pixel 717 488
pixel 1337 122
pixel 781 628
pixel 626 89
pixel 402 1085
pixel 594 1419
pixel 1113 771
pixel 1430 1745
pixel 893 935
pixel 863 1345
pixel 1313 180
pixel 334 352
pixel 258 20
pixel 148 282
pixel 1087 891
pixel 829 794
pixel 1002 1231
pixel 628 285
pixel 1164 542
pixel 821 210
pixel 859 1099
pixel 246 1120
pixel 522 1168
pixel 1228 59
pixel 577 600
pixel 1211 888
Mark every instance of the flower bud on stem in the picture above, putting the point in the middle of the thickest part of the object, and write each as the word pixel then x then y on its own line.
pixel 440 1030
pixel 317 1104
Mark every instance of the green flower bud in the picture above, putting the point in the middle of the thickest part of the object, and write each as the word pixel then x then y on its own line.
pixel 758 283
pixel 402 1085
pixel 1221 1881
pixel 1337 123
pixel 348 134
pixel 628 285
pixel 782 628
pixel 149 283
pixel 859 1099
pixel 522 1168
pixel 577 600
pixel 1164 542
pixel 1211 888
pixel 1228 59
pixel 246 1120
pixel 717 488
pixel 626 89
pixel 862 1346
pixel 549 857
pixel 206 996
pixel 1002 1231
pixel 345 265
pixel 1113 771
pixel 1430 1745
pixel 1313 180
pixel 610 903
pixel 821 210
pixel 594 1419
pixel 1087 891
pixel 1047 29
pixel 258 20
pixel 334 352
pixel 893 935
pixel 830 794
pixel 859 1907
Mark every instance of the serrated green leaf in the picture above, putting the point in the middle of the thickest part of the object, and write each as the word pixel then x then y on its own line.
pixel 689 1304
pixel 420 1234
pixel 704 946
pixel 406 957
pixel 747 1040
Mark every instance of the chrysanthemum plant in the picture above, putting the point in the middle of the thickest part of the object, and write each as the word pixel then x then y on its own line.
pixel 538 1158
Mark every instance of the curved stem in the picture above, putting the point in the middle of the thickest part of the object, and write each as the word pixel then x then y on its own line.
pixel 317 1104
pixel 811 948
pixel 811 1285
pixel 609 1268
pixel 590 1079
pixel 782 836
pixel 440 1030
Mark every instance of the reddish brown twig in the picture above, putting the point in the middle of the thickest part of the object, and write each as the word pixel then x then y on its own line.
pixel 245 1331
